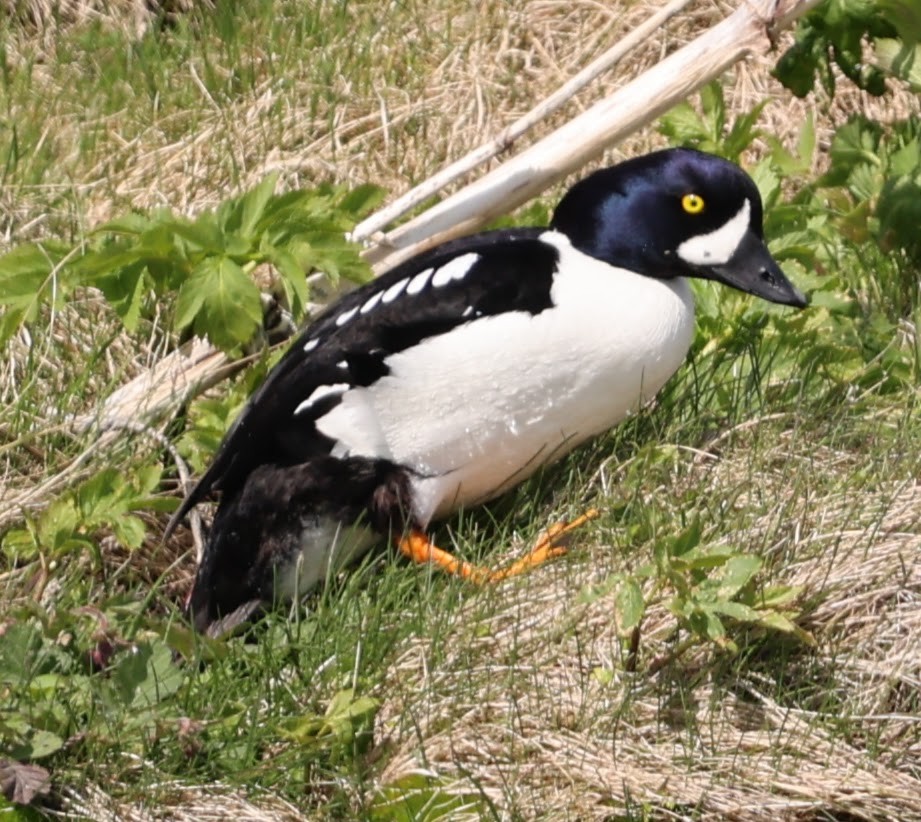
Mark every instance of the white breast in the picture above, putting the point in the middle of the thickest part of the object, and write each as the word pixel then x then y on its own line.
pixel 479 409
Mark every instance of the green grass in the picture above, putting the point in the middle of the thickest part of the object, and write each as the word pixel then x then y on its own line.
pixel 395 692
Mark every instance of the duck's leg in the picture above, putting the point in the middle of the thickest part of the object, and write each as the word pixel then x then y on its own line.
pixel 419 548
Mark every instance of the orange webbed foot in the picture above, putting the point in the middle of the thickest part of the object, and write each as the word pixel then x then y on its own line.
pixel 419 548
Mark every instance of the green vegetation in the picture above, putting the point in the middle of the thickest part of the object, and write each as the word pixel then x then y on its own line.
pixel 739 626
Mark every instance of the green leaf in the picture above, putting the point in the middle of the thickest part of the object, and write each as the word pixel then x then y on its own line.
pixel 20 544
pixel 689 538
pixel 346 725
pixel 856 143
pixel 714 109
pixel 629 606
pixel 221 301
pixel 253 203
pixel 24 273
pixel 776 596
pixel 20 645
pixel 203 234
pixel 707 624
pixel 146 675
pixel 36 745
pixel 189 303
pixel 781 623
pixel 25 283
pixel 737 611
pixel 905 16
pixel 362 199
pixel 418 798
pixel 737 573
pixel 293 279
pixel 130 224
pixel 683 125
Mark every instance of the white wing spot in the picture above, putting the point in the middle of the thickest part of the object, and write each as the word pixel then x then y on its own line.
pixel 455 270
pixel 311 344
pixel 417 283
pixel 370 303
pixel 321 392
pixel 343 364
pixel 395 290
pixel 719 245
pixel 345 316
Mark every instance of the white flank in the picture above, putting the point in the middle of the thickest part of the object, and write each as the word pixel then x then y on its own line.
pixel 454 270
pixel 320 392
pixel 481 407
pixel 718 246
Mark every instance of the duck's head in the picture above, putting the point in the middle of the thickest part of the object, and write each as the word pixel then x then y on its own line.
pixel 676 213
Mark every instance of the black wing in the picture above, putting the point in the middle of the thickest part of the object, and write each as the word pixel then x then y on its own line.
pixel 349 343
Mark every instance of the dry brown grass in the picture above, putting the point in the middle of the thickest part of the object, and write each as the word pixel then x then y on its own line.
pixel 500 59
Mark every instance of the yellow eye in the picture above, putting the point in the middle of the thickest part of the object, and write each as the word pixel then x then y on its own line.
pixel 692 203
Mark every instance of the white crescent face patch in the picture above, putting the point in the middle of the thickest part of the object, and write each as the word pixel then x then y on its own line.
pixel 719 245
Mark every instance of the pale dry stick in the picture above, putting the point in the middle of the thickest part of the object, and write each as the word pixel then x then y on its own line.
pixel 749 29
pixel 366 230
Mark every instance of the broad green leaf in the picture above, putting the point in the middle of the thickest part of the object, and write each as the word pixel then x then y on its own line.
pixel 191 298
pixel 900 59
pixel 776 596
pixel 203 234
pixel 855 143
pixel 231 311
pixel 158 244
pixel 38 744
pixel 736 610
pixel 682 124
pixel 714 108
pixel 129 530
pixel 737 573
pixel 20 646
pixel 362 199
pixel 418 798
pixel 905 16
pixel 347 722
pixel 629 606
pixel 779 622
pixel 253 204
pixel 707 624
pixel 689 538
pixel 126 224
pixel 25 272
pixel 125 288
pixel 293 279
pixel 906 161
pixel 145 675
pixel 11 320
pixel 20 544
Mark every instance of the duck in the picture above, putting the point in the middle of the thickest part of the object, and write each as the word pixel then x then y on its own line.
pixel 460 372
